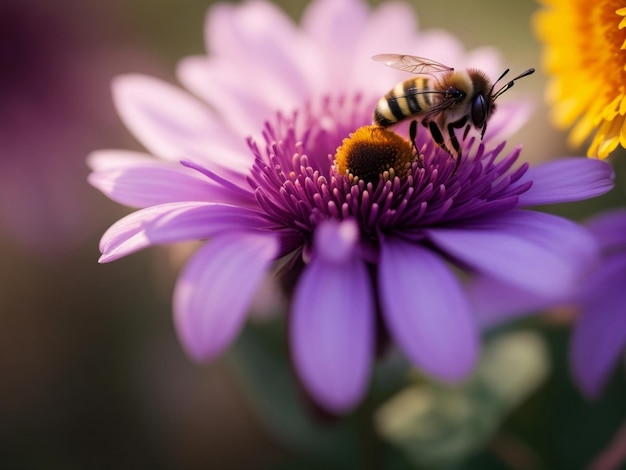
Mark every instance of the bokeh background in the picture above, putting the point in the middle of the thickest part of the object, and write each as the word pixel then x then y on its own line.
pixel 91 373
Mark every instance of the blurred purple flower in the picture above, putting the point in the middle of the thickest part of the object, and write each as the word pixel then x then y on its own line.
pixel 599 332
pixel 33 45
pixel 599 336
pixel 52 68
pixel 351 254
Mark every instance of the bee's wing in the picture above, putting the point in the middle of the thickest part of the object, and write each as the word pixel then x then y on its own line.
pixel 436 109
pixel 412 64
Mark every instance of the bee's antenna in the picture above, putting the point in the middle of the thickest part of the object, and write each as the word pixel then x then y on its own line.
pixel 509 84
pixel 496 82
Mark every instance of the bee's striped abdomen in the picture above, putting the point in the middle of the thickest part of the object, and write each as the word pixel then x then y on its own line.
pixel 407 99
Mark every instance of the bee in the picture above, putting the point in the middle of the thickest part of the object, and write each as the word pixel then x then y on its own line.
pixel 442 98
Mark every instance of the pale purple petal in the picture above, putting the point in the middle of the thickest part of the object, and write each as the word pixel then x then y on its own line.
pixel 566 180
pixel 336 241
pixel 610 229
pixel 215 289
pixel 599 336
pixel 229 91
pixel 336 26
pixel 496 302
pixel 179 221
pixel 489 60
pixel 143 182
pixel 259 38
pixel 173 125
pixel 391 28
pixel 229 29
pixel 508 119
pixel 254 39
pixel 539 252
pixel 441 46
pixel 426 310
pixel 102 160
pixel 332 329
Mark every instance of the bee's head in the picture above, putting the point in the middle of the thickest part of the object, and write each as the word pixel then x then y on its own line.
pixel 482 106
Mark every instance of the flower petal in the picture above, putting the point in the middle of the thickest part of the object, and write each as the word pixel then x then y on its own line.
pixel 228 91
pixel 101 160
pixel 215 289
pixel 538 252
pixel 173 125
pixel 610 229
pixel 391 27
pixel 143 182
pixel 496 302
pixel 426 310
pixel 260 37
pixel 256 37
pixel 599 336
pixel 565 180
pixel 332 330
pixel 509 118
pixel 172 222
pixel 336 241
pixel 325 22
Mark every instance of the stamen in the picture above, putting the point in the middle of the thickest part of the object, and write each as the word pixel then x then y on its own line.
pixel 378 177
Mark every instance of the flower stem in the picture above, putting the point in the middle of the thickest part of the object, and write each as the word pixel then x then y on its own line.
pixel 370 445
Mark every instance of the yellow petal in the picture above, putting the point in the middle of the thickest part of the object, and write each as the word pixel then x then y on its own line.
pixel 622 134
pixel 587 69
pixel 581 131
pixel 607 138
pixel 607 147
pixel 622 106
pixel 611 110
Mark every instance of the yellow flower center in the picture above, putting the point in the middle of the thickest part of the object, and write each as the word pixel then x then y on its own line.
pixel 372 153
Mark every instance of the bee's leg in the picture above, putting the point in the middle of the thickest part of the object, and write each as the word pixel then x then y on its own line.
pixel 454 141
pixel 413 133
pixel 466 131
pixel 438 136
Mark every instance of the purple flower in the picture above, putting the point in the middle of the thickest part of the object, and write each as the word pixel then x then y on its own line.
pixel 599 335
pixel 360 255
pixel 599 332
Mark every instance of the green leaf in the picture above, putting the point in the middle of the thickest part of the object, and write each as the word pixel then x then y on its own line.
pixel 259 362
pixel 439 426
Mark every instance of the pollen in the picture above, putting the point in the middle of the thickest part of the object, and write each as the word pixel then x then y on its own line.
pixel 372 154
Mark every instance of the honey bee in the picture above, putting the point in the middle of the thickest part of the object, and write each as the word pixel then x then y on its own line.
pixel 443 99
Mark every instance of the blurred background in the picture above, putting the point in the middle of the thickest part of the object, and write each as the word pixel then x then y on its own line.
pixel 91 373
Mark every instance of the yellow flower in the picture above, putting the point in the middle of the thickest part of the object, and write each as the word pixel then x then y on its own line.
pixel 585 56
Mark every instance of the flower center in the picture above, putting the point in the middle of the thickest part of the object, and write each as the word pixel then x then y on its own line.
pixel 376 178
pixel 374 154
